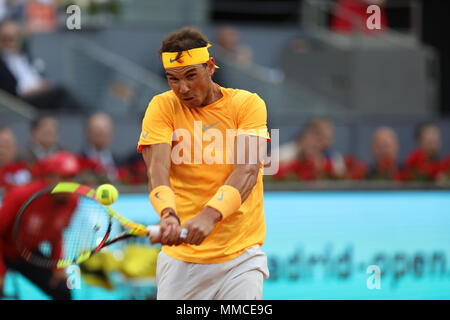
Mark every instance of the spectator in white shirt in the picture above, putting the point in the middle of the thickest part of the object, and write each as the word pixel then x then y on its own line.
pixel 29 84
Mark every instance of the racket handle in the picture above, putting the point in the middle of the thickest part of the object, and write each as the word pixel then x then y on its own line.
pixel 155 230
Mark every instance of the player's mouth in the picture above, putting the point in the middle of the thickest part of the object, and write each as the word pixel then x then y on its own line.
pixel 188 99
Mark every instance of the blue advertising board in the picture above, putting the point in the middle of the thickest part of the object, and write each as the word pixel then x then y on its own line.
pixel 358 245
pixel 338 245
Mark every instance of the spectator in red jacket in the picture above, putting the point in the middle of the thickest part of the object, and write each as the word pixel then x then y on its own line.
pixel 12 171
pixel 350 16
pixel 424 162
pixel 52 214
pixel 325 131
pixel 385 150
pixel 310 163
pixel 41 16
pixel 311 156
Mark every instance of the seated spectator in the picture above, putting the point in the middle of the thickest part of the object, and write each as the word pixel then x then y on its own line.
pixel 350 16
pixel 12 171
pixel 44 139
pixel 424 163
pixel 309 164
pixel 227 39
pixel 318 160
pixel 21 78
pixel 133 171
pixel 385 150
pixel 290 150
pixel 324 129
pixel 97 153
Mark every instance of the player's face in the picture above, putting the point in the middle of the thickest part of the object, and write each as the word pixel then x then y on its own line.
pixel 192 84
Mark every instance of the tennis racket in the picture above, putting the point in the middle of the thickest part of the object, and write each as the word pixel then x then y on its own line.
pixel 72 227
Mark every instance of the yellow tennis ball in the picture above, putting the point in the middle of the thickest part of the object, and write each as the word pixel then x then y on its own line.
pixel 106 194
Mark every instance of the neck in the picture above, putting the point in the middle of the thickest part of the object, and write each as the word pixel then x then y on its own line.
pixel 214 94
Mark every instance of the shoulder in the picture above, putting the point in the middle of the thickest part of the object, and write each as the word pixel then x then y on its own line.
pixel 165 103
pixel 167 97
pixel 243 101
pixel 241 95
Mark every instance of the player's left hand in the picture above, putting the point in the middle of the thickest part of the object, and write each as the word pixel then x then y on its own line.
pixel 199 227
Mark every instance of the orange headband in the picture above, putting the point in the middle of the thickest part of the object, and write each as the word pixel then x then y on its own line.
pixel 187 58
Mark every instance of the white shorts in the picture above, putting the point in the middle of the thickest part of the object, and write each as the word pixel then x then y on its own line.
pixel 238 279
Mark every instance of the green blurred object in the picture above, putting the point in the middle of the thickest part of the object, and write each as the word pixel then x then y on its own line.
pixel 139 261
pixel 97 269
pixel 136 261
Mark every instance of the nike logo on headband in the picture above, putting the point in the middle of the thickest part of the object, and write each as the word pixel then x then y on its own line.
pixel 173 60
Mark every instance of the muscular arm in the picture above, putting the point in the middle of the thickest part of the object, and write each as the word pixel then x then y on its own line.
pixel 243 177
pixel 158 162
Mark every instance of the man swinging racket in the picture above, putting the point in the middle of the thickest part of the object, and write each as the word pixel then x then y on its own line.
pixel 205 175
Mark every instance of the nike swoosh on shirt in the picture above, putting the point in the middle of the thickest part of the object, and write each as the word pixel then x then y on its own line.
pixel 206 128
pixel 145 135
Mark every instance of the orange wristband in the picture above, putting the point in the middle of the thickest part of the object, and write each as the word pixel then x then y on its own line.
pixel 227 200
pixel 171 214
pixel 162 197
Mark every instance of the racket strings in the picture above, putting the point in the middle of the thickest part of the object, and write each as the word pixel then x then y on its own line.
pixel 87 228
pixel 52 232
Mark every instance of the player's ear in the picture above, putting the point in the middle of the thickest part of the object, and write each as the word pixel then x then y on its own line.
pixel 210 66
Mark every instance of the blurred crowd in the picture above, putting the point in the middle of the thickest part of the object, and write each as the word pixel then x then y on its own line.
pixel 311 156
pixel 96 162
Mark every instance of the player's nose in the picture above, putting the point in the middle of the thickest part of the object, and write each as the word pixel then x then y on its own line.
pixel 184 89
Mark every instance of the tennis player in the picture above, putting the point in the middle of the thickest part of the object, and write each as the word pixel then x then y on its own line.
pixel 220 203
pixel 49 214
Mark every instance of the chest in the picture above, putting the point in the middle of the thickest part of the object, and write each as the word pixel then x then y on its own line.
pixel 198 120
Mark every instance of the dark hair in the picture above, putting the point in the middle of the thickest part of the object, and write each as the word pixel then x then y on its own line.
pixel 421 127
pixel 183 39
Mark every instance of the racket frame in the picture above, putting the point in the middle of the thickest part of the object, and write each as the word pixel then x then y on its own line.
pixel 62 187
pixel 135 229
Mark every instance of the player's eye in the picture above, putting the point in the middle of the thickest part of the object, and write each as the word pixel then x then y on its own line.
pixel 191 76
